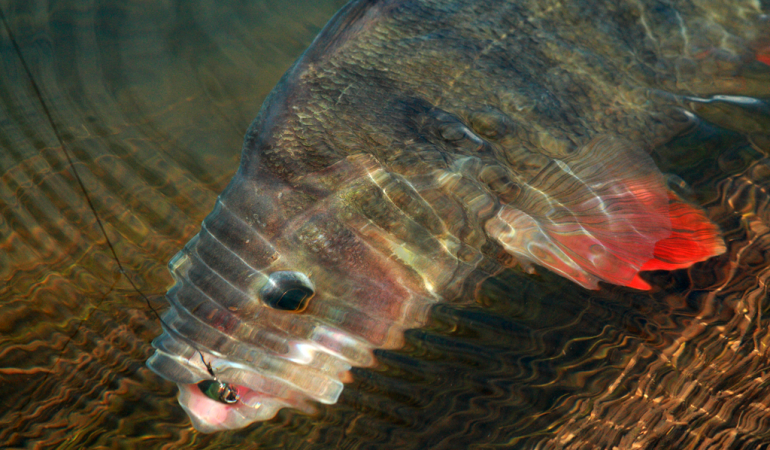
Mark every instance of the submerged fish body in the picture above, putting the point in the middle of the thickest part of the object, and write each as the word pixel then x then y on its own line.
pixel 418 144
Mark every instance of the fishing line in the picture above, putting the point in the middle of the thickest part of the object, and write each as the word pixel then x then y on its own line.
pixel 91 206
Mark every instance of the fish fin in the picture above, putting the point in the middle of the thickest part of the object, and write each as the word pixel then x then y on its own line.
pixel 693 238
pixel 762 55
pixel 639 283
pixel 604 214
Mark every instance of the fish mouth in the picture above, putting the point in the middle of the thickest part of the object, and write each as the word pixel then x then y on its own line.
pixel 259 394
pixel 257 397
pixel 208 415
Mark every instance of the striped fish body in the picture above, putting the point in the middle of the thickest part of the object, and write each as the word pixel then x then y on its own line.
pixel 418 145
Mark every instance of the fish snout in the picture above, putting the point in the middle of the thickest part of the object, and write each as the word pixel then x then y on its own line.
pixel 209 415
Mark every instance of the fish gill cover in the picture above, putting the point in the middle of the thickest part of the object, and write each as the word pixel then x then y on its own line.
pixel 416 144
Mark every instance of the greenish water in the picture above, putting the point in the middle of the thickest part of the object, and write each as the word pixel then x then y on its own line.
pixel 152 99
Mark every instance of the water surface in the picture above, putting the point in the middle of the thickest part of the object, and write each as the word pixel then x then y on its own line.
pixel 153 99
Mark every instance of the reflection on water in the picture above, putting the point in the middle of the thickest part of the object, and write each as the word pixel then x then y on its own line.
pixel 153 102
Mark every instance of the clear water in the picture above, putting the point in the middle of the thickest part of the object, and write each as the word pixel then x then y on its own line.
pixel 152 99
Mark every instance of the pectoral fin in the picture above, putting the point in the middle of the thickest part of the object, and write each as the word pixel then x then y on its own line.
pixel 604 214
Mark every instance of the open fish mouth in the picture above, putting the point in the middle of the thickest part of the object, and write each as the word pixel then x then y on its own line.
pixel 221 405
pixel 209 415
pixel 241 394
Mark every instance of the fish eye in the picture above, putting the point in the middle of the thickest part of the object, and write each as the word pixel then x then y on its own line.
pixel 221 392
pixel 287 291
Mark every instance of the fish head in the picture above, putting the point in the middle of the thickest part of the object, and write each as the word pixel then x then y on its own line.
pixel 288 285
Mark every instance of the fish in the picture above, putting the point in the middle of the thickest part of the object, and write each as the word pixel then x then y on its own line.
pixel 418 146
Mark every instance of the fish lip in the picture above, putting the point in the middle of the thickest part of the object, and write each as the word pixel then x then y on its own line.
pixel 255 404
pixel 209 416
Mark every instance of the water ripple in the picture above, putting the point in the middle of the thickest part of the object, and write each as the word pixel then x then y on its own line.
pixel 154 104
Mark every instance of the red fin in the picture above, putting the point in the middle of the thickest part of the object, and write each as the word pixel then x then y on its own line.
pixel 604 213
pixel 638 283
pixel 693 239
pixel 763 55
